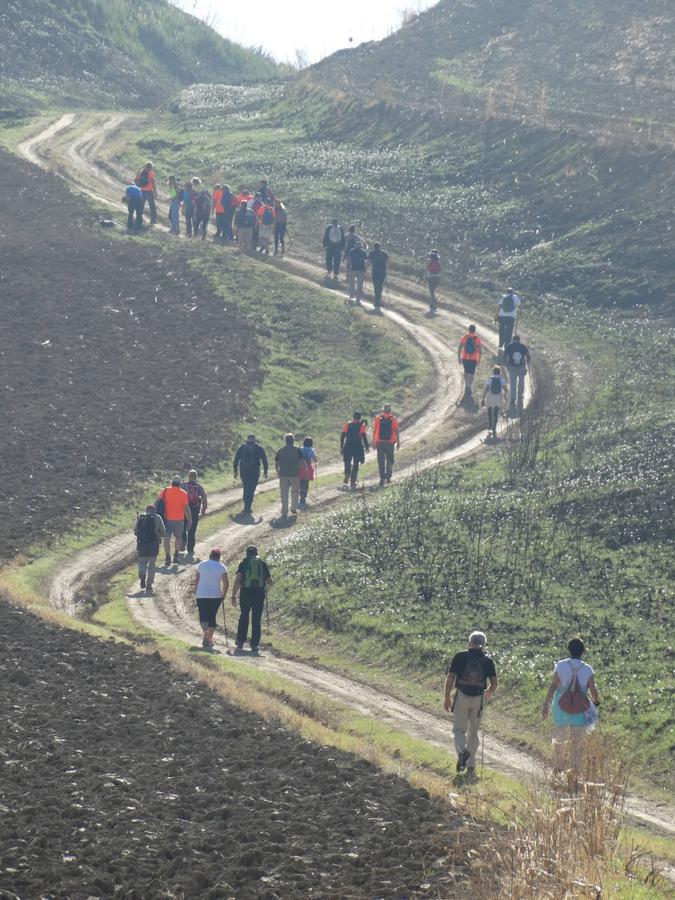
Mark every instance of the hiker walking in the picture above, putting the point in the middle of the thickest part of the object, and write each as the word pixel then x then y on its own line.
pixel 433 276
pixel 175 193
pixel 146 182
pixel 198 503
pixel 385 439
pixel 572 711
pixel 173 505
pixel 247 462
pixel 253 579
pixel 378 268
pixel 287 464
pixel 494 395
pixel 149 530
pixel 267 218
pixel 356 271
pixel 202 203
pixel 468 355
pixel 244 221
pixel 307 465
pixel 469 672
pixel 507 313
pixel 280 227
pixel 211 588
pixel 188 198
pixel 517 357
pixel 353 446
pixel 133 197
pixel 334 244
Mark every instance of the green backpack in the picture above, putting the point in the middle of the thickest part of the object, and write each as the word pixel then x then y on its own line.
pixel 254 574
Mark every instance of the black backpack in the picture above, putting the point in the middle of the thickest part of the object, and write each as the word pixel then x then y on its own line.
pixel 386 428
pixel 160 507
pixel 470 344
pixel 146 531
pixel 508 303
pixel 143 179
pixel 472 680
pixel 495 384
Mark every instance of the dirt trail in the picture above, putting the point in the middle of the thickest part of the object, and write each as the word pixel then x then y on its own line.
pixel 169 611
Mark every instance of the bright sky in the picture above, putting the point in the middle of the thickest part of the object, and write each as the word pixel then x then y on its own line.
pixel 317 28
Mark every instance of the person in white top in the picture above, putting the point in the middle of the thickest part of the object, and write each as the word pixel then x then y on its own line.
pixel 211 586
pixel 570 728
pixel 494 396
pixel 507 313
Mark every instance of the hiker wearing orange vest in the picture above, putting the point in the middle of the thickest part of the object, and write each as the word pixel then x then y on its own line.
pixel 219 210
pixel 468 355
pixel 386 440
pixel 146 182
pixel 174 507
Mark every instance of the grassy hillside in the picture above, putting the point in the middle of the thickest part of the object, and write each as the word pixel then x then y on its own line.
pixel 111 53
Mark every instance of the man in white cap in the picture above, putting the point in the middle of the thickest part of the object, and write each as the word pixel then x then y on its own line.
pixel 470 670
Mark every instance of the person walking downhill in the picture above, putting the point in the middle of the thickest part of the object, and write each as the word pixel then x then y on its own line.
pixel 353 447
pixel 494 396
pixel 175 510
pixel 280 227
pixel 572 712
pixel 188 207
pixel 133 197
pixel 378 266
pixel 146 182
pixel 356 271
pixel 507 313
pixel 469 672
pixel 198 503
pixel 334 245
pixel 211 589
pixel 149 530
pixel 287 464
pixel 253 579
pixel 202 209
pixel 309 458
pixel 247 462
pixel 468 354
pixel 433 275
pixel 385 439
pixel 175 193
pixel 517 357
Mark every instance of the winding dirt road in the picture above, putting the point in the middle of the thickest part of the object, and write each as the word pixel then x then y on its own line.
pixel 441 434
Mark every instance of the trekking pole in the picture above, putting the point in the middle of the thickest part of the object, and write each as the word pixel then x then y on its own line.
pixel 267 614
pixel 227 643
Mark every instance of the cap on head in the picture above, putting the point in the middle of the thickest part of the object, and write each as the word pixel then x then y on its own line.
pixel 177 480
pixel 386 407
pixel 516 337
pixel 472 328
pixel 308 442
pixel 148 165
pixel 251 550
pixel 215 553
pixel 477 639
pixel 509 290
pixel 216 187
pixel 289 438
pixel 192 474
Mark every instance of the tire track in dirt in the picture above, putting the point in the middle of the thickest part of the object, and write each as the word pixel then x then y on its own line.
pixel 169 613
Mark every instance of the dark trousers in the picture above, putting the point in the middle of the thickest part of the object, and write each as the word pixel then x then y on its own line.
pixel 189 534
pixel 493 417
pixel 250 483
pixel 352 458
pixel 280 237
pixel 188 212
pixel 227 227
pixel 149 198
pixel 333 258
pixel 251 604
pixel 135 206
pixel 385 460
pixel 220 224
pixel 506 325
pixel 378 284
pixel 201 222
pixel 304 489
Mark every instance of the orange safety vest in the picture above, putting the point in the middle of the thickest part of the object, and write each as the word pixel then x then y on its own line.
pixel 218 201
pixel 476 354
pixel 394 429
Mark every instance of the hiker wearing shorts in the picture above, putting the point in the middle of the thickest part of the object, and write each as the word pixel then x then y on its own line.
pixel 307 469
pixel 253 579
pixel 211 588
pixel 175 509
pixel 198 503
pixel 287 462
pixel 517 357
pixel 469 673
pixel 353 447
pixel 334 245
pixel 247 462
pixel 149 530
pixel 572 711
pixel 433 275
pixel 385 439
pixel 494 395
pixel 507 313
pixel 468 355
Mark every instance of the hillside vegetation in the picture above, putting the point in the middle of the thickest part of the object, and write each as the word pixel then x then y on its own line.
pixel 131 53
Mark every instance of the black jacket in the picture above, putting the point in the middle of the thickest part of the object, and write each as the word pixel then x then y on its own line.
pixel 248 460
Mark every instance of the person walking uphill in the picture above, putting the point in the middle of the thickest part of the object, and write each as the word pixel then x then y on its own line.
pixel 307 469
pixel 385 439
pixel 174 508
pixel 211 588
pixel 468 354
pixel 198 503
pixel 253 579
pixel 287 462
pixel 378 267
pixel 247 462
pixel 469 672
pixel 146 182
pixel 493 394
pixel 149 530
pixel 334 245
pixel 433 275
pixel 353 446
pixel 517 357
pixel 507 313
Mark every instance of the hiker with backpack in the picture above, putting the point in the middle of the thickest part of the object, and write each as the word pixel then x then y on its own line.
pixel 267 218
pixel 433 276
pixel 173 506
pixel 149 530
pixel 146 182
pixel 287 463
pixel 574 713
pixel 378 267
pixel 469 673
pixel 494 395
pixel 229 204
pixel 307 468
pixel 175 193
pixel 244 221
pixel 517 357
pixel 507 313
pixel 247 462
pixel 385 439
pixel 280 227
pixel 253 579
pixel 353 447
pixel 334 245
pixel 198 503
pixel 357 261
pixel 219 211
pixel 188 198
pixel 211 588
pixel 133 197
pixel 202 204
pixel 468 354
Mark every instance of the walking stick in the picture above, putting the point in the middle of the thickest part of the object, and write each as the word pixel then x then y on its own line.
pixel 227 643
pixel 267 612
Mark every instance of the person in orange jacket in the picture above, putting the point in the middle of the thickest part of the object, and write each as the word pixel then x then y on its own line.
pixel 468 354
pixel 385 440
pixel 219 210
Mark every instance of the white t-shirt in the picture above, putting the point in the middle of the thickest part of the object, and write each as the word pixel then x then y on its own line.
pixel 494 399
pixel 567 668
pixel 512 314
pixel 210 579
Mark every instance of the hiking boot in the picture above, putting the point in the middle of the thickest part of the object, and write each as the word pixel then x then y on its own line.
pixel 471 771
pixel 381 482
pixel 176 557
pixel 462 760
pixel 148 589
pixel 254 651
pixel 205 644
pixel 294 512
pixel 182 548
pixel 143 581
pixel 388 480
pixel 167 561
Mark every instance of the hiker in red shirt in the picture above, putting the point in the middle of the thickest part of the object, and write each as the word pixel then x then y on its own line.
pixel 468 355
pixel 385 439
